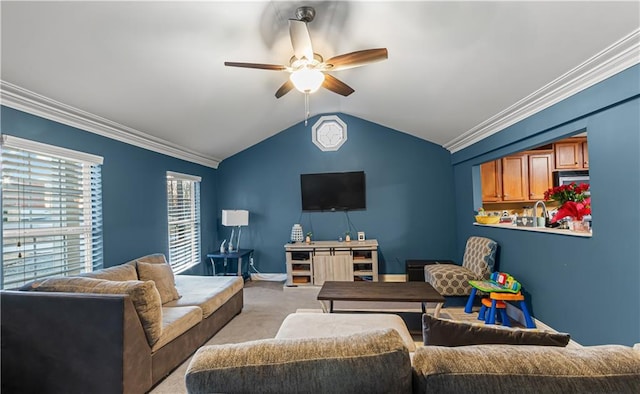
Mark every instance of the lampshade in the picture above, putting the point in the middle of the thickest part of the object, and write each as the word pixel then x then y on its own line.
pixel 307 80
pixel 237 217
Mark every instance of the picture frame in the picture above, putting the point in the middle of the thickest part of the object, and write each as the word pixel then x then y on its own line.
pixel 360 235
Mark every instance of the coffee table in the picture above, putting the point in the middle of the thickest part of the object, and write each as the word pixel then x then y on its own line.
pixel 421 292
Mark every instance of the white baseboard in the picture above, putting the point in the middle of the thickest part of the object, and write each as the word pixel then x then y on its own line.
pixel 269 277
pixel 516 314
pixel 392 277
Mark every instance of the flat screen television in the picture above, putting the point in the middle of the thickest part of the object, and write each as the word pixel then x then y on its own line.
pixel 333 191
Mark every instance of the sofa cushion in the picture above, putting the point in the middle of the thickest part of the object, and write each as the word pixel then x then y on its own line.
pixel 207 292
pixel 120 272
pixel 321 325
pixel 370 362
pixel 144 295
pixel 540 369
pixel 162 275
pixel 155 258
pixel 442 332
pixel 175 322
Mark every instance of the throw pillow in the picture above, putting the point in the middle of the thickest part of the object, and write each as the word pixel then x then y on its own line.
pixel 118 273
pixel 162 275
pixel 442 332
pixel 156 258
pixel 144 296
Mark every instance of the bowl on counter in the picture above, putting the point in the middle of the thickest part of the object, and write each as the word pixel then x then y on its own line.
pixel 488 219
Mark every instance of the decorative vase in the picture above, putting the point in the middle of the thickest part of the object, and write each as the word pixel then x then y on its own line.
pixel 347 238
pixel 296 233
pixel 308 239
pixel 581 226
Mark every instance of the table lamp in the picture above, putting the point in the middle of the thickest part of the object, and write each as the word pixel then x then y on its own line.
pixel 235 218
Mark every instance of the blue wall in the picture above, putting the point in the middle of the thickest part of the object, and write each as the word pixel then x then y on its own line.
pixel 588 287
pixel 409 193
pixel 134 188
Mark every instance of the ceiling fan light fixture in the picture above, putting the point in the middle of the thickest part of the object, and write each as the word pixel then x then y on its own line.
pixel 307 80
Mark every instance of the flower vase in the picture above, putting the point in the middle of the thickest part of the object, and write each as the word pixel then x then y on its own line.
pixel 308 239
pixel 347 238
pixel 580 226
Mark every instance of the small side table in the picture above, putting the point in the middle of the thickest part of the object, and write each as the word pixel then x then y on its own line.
pixel 238 255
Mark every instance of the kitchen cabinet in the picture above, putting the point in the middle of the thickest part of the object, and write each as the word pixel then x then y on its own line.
pixel 491 179
pixel 540 174
pixel 571 154
pixel 523 177
pixel 515 178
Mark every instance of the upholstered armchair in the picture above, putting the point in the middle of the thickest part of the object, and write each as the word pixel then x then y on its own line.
pixel 452 279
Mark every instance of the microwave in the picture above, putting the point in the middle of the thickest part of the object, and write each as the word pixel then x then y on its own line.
pixel 566 177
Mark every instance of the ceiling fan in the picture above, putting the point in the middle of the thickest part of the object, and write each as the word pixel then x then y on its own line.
pixel 308 70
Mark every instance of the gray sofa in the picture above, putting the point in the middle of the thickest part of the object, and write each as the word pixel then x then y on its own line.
pixel 117 330
pixel 379 361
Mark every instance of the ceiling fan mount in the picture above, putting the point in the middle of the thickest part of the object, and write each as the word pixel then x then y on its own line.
pixel 305 13
pixel 308 70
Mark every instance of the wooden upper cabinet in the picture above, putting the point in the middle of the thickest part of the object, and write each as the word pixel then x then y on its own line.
pixel 491 180
pixel 570 154
pixel 585 155
pixel 526 176
pixel 540 174
pixel 515 178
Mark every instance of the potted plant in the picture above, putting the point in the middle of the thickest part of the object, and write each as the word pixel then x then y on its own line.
pixel 347 236
pixel 308 238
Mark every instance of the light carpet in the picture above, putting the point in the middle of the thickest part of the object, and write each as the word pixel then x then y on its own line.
pixel 266 304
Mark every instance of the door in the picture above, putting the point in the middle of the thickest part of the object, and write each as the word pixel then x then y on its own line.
pixel 332 265
pixel 342 266
pixel 540 174
pixel 321 267
pixel 515 180
pixel 491 180
pixel 568 155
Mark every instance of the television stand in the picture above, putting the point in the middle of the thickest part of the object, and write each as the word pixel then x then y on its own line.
pixel 314 263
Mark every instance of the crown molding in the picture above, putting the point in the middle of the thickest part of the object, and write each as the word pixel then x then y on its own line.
pixel 618 57
pixel 27 101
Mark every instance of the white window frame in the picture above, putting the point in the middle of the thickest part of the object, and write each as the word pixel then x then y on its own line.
pixel 183 219
pixel 38 247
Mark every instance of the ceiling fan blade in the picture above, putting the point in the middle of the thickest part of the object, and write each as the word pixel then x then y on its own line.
pixel 356 59
pixel 284 89
pixel 337 86
pixel 274 67
pixel 300 39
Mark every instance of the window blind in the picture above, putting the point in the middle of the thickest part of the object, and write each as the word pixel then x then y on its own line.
pixel 183 212
pixel 51 211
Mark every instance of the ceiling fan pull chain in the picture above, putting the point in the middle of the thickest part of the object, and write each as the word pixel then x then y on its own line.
pixel 306 108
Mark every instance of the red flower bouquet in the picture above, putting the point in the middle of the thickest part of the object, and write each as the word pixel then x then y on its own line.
pixel 573 199
pixel 564 193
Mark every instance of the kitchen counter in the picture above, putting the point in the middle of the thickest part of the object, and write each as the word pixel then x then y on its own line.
pixel 509 226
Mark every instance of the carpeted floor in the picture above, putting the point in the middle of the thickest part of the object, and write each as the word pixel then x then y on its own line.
pixel 266 304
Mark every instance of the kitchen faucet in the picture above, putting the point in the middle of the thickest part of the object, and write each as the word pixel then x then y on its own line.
pixel 535 213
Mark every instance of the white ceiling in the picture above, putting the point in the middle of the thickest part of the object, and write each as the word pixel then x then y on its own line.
pixel 156 68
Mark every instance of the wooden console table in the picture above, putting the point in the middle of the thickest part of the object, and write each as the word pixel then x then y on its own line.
pixel 320 261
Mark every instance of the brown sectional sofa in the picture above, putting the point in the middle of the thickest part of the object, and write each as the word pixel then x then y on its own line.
pixel 108 331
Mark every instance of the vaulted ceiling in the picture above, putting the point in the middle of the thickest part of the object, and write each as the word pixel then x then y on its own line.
pixel 153 71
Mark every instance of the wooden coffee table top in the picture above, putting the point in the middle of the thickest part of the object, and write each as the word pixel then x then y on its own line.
pixel 379 291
